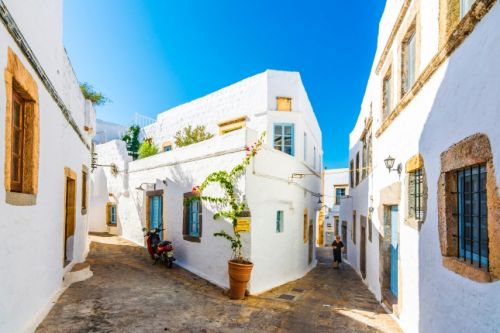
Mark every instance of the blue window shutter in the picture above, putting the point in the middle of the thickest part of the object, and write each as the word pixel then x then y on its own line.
pixel 293 139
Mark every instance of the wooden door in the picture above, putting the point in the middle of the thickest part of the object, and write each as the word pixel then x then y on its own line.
pixel 394 249
pixel 311 244
pixel 70 218
pixel 362 256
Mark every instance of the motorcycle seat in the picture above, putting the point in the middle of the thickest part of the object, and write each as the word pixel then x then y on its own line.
pixel 164 243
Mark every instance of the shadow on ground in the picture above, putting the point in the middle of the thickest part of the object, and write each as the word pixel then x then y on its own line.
pixel 129 294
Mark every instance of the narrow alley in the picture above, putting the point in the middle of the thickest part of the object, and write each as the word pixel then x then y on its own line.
pixel 129 294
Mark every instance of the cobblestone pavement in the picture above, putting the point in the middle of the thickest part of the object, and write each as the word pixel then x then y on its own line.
pixel 129 294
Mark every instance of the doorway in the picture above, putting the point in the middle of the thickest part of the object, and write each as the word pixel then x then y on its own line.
pixel 393 216
pixel 362 255
pixel 344 236
pixel 69 215
pixel 155 214
pixel 311 243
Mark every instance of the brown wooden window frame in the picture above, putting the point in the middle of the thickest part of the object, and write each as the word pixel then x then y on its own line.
pixel 185 219
pixel 85 180
pixel 108 214
pixel 285 101
pixel 16 185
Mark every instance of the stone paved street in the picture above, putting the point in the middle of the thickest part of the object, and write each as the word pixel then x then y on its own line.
pixel 129 294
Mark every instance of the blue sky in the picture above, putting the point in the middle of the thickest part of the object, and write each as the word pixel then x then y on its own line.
pixel 150 55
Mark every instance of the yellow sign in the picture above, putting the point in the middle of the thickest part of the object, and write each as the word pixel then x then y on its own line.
pixel 243 224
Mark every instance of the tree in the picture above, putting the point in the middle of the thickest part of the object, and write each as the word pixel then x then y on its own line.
pixel 97 98
pixel 131 138
pixel 147 149
pixel 188 135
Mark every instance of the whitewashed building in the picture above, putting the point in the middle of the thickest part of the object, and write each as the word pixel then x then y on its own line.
pixel 335 188
pixel 281 186
pixel 425 237
pixel 45 141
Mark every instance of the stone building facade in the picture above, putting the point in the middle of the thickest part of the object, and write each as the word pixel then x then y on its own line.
pixel 281 186
pixel 45 143
pixel 424 236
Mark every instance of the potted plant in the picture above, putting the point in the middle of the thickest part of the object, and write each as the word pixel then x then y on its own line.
pixel 231 206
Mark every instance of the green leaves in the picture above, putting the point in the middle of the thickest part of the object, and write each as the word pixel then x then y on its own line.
pixel 188 136
pixel 97 98
pixel 131 138
pixel 230 208
pixel 147 149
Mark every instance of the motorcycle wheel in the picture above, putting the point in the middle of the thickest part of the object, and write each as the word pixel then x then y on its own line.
pixel 169 262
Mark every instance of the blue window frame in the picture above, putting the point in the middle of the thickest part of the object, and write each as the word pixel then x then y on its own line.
pixel 284 138
pixel 194 211
pixel 472 212
pixel 167 148
pixel 279 221
pixel 112 214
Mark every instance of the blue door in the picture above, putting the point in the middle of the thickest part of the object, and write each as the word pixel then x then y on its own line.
pixel 155 213
pixel 394 249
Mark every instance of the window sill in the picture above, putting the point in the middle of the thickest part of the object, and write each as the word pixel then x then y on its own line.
pixel 466 270
pixel 20 199
pixel 414 223
pixel 192 239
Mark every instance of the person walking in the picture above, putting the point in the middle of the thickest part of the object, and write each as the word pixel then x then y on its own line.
pixel 337 251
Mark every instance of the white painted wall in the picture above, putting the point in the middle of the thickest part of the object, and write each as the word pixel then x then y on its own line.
pixel 30 279
pixel 461 99
pixel 267 186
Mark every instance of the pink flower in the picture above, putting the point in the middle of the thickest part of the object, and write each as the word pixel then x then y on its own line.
pixel 196 190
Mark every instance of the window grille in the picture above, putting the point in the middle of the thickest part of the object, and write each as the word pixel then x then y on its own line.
pixel 472 215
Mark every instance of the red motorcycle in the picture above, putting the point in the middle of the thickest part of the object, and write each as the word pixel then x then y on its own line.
pixel 159 250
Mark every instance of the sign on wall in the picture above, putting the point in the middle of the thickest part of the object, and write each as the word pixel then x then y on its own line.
pixel 243 224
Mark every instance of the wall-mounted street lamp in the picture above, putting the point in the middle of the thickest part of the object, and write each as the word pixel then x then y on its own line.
pixel 389 163
pixel 141 188
pixel 297 175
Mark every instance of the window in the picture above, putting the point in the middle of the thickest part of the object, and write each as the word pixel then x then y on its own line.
pixel 465 6
pixel 336 219
pixel 469 206
pixel 357 168
pixel 368 139
pixel 17 152
pixel 408 63
pixel 353 235
pixel 351 173
pixel 283 104
pixel 284 138
pixel 192 218
pixel 415 194
pixel 279 221
pixel 167 148
pixel 370 228
pixel 472 212
pixel 232 125
pixel 84 192
pixel 306 225
pixel 339 193
pixel 21 133
pixel 111 214
pixel 387 95
pixel 305 147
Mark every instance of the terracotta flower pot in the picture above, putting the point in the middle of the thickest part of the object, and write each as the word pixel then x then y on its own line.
pixel 239 275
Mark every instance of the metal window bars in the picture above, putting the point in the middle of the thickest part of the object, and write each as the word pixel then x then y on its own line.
pixel 472 215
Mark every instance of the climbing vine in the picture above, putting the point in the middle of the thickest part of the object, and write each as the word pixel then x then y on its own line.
pixel 229 206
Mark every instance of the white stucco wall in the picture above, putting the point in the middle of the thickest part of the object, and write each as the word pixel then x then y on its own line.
pixel 461 99
pixel 31 279
pixel 184 167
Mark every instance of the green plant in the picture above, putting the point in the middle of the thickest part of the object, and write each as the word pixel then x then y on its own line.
pixel 131 138
pixel 147 149
pixel 97 98
pixel 230 205
pixel 190 135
